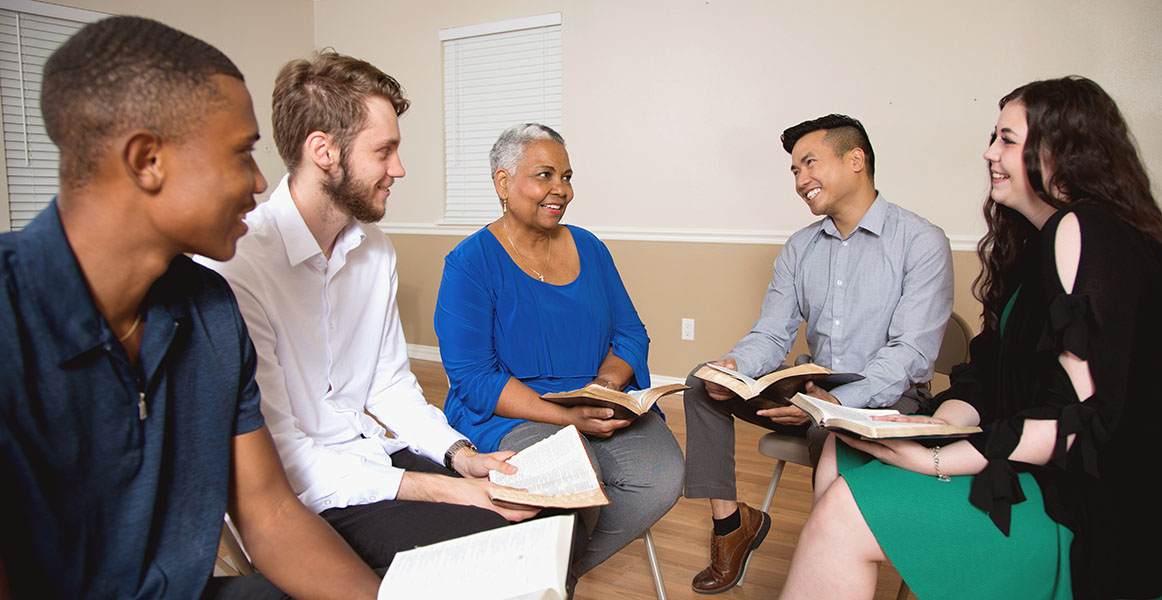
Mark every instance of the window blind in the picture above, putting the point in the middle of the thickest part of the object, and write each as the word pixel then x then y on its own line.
pixel 28 36
pixel 495 76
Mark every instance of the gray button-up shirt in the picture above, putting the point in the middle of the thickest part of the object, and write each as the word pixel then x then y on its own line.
pixel 875 303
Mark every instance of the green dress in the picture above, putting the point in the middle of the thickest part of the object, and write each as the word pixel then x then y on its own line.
pixel 1087 524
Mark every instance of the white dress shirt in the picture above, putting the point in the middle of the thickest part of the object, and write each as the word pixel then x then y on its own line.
pixel 330 345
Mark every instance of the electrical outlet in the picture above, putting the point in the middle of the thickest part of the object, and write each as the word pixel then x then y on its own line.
pixel 688 329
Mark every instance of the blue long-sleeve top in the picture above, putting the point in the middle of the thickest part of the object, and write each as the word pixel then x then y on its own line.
pixel 495 322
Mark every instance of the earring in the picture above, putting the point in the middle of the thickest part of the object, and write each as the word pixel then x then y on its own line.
pixel 503 206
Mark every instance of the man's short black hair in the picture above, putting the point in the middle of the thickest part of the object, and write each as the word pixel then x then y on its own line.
pixel 844 134
pixel 125 73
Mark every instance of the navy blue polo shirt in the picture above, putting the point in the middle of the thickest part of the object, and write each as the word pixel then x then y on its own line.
pixel 98 502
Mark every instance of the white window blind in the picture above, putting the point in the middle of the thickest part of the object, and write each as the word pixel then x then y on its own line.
pixel 29 33
pixel 495 75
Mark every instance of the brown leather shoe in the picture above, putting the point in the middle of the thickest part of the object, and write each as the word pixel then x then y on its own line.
pixel 730 553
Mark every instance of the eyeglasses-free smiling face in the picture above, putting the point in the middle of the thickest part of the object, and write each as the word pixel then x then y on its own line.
pixel 370 165
pixel 538 193
pixel 822 177
pixel 1005 155
pixel 212 177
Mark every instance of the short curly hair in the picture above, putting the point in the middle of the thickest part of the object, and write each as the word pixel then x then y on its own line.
pixel 125 73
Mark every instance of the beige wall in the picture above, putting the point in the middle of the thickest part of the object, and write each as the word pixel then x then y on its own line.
pixel 724 302
pixel 672 108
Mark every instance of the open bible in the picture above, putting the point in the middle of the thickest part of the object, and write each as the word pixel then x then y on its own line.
pixel 774 387
pixel 625 405
pixel 526 560
pixel 554 472
pixel 859 421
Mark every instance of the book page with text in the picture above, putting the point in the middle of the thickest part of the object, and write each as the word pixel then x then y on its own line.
pixel 524 560
pixel 553 468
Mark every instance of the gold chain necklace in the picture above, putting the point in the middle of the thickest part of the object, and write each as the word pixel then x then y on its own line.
pixel 504 222
pixel 136 322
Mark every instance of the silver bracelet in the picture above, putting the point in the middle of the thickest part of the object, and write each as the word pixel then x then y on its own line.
pixel 936 463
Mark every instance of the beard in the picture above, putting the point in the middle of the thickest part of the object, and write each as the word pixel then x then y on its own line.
pixel 353 197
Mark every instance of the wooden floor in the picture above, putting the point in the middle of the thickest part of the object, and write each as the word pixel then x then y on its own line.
pixel 682 537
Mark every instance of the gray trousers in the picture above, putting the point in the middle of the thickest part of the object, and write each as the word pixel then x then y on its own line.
pixel 710 438
pixel 641 469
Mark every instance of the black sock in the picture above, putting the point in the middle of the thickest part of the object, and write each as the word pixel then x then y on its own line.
pixel 728 524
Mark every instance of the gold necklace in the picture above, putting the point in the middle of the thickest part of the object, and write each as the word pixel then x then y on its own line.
pixel 504 222
pixel 132 328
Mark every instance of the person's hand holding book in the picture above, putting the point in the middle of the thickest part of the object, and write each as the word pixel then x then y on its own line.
pixel 718 392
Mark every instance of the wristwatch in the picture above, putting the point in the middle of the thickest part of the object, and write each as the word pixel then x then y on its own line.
pixel 453 449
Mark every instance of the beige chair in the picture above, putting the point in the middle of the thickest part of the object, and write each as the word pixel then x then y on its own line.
pixel 786 448
pixel 232 559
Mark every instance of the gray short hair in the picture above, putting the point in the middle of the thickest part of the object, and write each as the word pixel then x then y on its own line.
pixel 510 146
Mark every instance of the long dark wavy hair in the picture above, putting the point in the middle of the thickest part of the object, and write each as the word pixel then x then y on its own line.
pixel 1075 124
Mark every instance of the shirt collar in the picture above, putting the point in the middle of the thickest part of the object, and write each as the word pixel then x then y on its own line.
pixel 72 322
pixel 872 221
pixel 299 242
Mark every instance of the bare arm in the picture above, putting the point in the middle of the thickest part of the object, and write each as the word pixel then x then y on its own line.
pixel 614 373
pixel 291 545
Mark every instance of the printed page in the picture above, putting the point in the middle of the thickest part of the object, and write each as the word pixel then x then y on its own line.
pixel 525 560
pixel 551 470
pixel 743 378
pixel 857 415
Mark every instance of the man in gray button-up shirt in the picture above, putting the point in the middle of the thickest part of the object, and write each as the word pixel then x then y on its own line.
pixel 872 282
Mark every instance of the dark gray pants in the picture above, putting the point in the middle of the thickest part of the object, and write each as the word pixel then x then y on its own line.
pixel 710 438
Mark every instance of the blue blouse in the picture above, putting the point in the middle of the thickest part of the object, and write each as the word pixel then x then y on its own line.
pixel 494 322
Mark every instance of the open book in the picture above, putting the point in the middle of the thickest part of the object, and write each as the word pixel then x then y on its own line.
pixel 776 386
pixel 625 405
pixel 555 471
pixel 526 560
pixel 859 421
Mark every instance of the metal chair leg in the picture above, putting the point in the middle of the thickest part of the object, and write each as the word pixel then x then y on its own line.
pixel 652 553
pixel 775 477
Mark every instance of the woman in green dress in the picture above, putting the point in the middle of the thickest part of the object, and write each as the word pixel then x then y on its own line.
pixel 1055 498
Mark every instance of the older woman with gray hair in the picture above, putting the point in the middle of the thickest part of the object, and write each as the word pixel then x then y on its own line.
pixel 529 306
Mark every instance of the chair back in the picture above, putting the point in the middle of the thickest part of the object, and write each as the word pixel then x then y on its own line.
pixel 954 346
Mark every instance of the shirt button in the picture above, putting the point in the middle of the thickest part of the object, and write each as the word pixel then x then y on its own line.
pixel 326 503
pixel 844 243
pixel 837 322
pixel 108 347
pixel 838 282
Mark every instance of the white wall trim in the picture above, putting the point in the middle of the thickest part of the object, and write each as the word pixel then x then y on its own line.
pixel 642 234
pixel 419 352
pixel 455 33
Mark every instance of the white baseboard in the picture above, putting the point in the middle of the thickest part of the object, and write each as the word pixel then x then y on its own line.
pixel 420 352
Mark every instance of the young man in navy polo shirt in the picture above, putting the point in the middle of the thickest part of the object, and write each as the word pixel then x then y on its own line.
pixel 129 417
